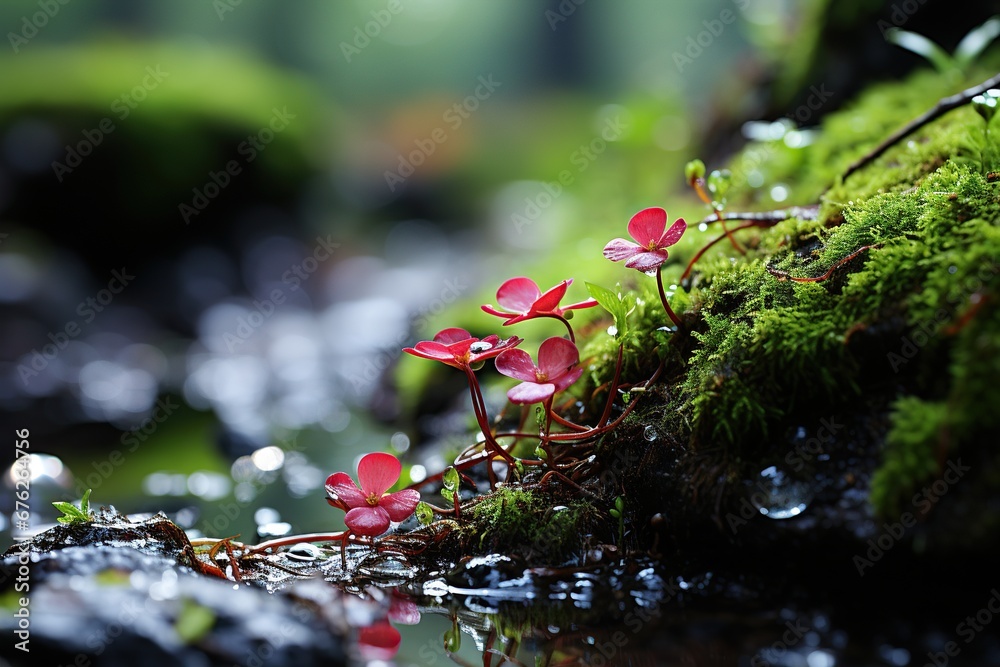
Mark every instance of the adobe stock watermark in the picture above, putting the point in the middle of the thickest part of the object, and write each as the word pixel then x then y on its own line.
pixel 38 360
pixel 968 629
pixel 774 654
pixel 453 289
pixel 264 308
pixel 454 116
pixel 363 35
pixel 248 150
pixel 581 159
pixel 562 13
pixel 696 44
pixel 30 25
pixel 925 331
pixel 923 502
pixel 121 107
pixel 223 7
pixel 901 13
pixel 105 467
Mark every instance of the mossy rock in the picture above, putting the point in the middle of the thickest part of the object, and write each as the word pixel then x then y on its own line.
pixel 866 386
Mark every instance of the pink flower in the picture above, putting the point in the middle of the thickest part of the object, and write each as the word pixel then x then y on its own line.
pixel 403 610
pixel 379 641
pixel 457 347
pixel 557 369
pixel 647 228
pixel 369 508
pixel 522 300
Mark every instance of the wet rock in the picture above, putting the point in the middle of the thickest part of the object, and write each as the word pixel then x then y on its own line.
pixel 115 592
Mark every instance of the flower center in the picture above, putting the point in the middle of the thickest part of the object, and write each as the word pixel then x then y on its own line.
pixel 541 377
pixel 652 246
pixel 372 499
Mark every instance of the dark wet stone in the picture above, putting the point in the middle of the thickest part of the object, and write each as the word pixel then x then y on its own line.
pixel 115 592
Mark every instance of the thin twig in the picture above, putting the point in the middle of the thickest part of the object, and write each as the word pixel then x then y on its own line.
pixel 941 108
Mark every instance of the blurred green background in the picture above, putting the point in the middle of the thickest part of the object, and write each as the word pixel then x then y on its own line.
pixel 298 190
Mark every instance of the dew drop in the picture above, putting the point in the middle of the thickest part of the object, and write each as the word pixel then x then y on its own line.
pixel 480 346
pixel 650 433
pixel 779 496
pixel 304 552
pixel 612 330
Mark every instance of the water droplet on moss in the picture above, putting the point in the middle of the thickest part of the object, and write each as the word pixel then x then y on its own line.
pixel 650 433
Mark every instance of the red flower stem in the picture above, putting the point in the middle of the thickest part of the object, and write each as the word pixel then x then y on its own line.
pixel 480 408
pixel 568 424
pixel 699 187
pixel 569 327
pixel 301 539
pixel 711 243
pixel 663 299
pixel 613 389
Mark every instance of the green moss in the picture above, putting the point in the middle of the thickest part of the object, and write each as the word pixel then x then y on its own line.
pixel 910 450
pixel 515 519
pixel 908 321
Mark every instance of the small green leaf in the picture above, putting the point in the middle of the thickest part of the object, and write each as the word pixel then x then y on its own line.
pixel 193 621
pixel 615 513
pixel 693 170
pixel 619 305
pixel 425 515
pixel 451 479
pixel 920 45
pixel 976 41
pixel 448 494
pixel 452 640
pixel 72 513
pixel 540 417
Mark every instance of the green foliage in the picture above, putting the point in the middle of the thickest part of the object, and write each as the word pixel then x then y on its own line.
pixel 620 304
pixel 425 515
pixel 449 483
pixel 73 514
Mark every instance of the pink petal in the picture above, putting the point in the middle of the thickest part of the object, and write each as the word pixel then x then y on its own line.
pixel 647 225
pixel 377 472
pixel 493 311
pixel 380 641
pixel 367 520
pixel 400 505
pixel 530 392
pixel 672 235
pixel 516 364
pixel 340 485
pixel 556 356
pixel 452 335
pixel 567 379
pixel 550 300
pixel 431 350
pixel 647 261
pixel 620 249
pixel 517 294
pixel 589 303
pixel 404 611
